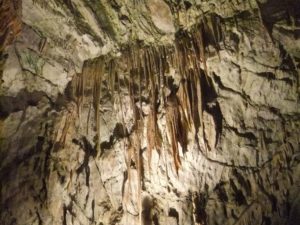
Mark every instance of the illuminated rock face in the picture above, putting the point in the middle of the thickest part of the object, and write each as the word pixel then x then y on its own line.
pixel 149 112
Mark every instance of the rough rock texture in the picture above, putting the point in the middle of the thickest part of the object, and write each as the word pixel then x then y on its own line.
pixel 156 112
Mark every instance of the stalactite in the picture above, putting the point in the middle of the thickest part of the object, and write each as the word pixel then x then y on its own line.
pixel 90 79
pixel 62 133
pixel 153 133
pixel 112 67
pixel 135 71
pixel 68 120
pixel 146 68
pixel 176 130
pixel 212 31
pixel 129 143
pixel 79 90
pixel 140 129
pixel 97 74
pixel 201 46
pixel 199 101
pixel 181 53
pixel 139 169
pixel 163 64
pixel 185 104
pixel 189 54
pixel 139 72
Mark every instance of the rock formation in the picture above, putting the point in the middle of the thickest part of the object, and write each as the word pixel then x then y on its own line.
pixel 149 112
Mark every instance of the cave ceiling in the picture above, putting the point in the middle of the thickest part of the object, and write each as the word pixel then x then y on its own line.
pixel 163 112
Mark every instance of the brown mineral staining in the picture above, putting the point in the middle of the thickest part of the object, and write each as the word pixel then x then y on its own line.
pixel 10 21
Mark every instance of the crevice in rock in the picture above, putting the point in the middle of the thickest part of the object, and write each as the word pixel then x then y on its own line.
pixel 23 100
pixel 89 151
pixel 173 213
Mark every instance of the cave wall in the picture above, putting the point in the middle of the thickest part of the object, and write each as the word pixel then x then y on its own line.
pixel 149 112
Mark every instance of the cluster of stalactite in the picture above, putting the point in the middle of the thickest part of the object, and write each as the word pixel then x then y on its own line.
pixel 90 82
pixel 146 73
pixel 10 25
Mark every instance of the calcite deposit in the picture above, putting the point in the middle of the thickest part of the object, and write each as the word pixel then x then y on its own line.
pixel 149 112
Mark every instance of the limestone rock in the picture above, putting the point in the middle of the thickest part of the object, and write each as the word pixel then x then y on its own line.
pixel 149 112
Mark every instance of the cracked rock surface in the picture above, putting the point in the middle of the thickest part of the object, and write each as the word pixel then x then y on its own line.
pixel 162 112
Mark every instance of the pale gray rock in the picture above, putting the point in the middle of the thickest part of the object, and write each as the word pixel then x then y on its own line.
pixel 240 166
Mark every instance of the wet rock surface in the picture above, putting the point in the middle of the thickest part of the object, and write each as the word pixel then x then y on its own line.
pixel 150 112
